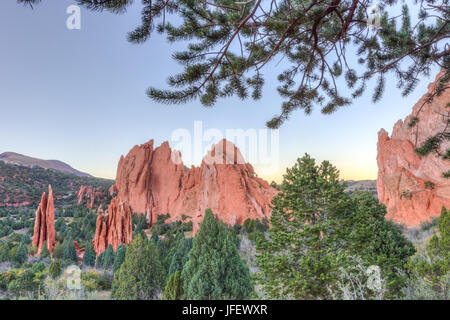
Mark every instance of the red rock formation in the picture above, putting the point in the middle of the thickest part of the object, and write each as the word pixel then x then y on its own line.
pixel 402 174
pixel 44 225
pixel 154 182
pixel 114 228
pixel 113 190
pixel 89 195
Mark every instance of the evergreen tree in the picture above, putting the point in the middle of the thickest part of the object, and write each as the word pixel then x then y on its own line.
pixel 89 255
pixel 298 261
pixel 318 231
pixel 119 257
pixel 38 267
pixel 364 231
pixel 69 251
pixel 5 254
pixel 154 238
pixel 54 269
pixel 180 255
pixel 45 253
pixel 21 254
pixel 433 266
pixel 215 269
pixel 108 259
pixel 161 248
pixel 230 42
pixel 141 275
pixel 174 287
pixel 58 251
pixel 100 260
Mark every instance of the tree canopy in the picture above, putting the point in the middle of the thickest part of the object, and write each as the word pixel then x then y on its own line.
pixel 319 233
pixel 214 269
pixel 229 43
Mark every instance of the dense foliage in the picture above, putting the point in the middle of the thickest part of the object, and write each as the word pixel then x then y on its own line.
pixel 214 269
pixel 229 43
pixel 318 232
pixel 141 275
pixel 430 268
pixel 24 185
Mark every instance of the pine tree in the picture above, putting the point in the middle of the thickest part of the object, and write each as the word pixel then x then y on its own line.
pixel 99 262
pixel 108 259
pixel 141 275
pixel 433 266
pixel 230 42
pixel 298 262
pixel 21 254
pixel 89 255
pixel 364 231
pixel 45 253
pixel 214 269
pixel 119 257
pixel 69 251
pixel 318 231
pixel 174 287
pixel 180 255
pixel 58 251
pixel 54 269
pixel 5 253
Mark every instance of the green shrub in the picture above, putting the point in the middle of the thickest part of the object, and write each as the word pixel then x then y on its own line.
pixel 95 281
pixel 38 267
pixel 174 287
pixel 55 269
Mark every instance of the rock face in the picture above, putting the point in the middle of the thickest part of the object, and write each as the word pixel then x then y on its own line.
pixel 44 225
pixel 411 187
pixel 114 228
pixel 90 196
pixel 154 182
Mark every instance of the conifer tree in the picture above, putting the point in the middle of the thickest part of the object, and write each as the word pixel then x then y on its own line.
pixel 69 251
pixel 174 287
pixel 45 253
pixel 21 254
pixel 108 258
pixel 214 269
pixel 100 260
pixel 298 262
pixel 119 257
pixel 317 231
pixel 433 266
pixel 5 253
pixel 58 251
pixel 54 269
pixel 89 255
pixel 180 255
pixel 229 44
pixel 141 275
pixel 364 231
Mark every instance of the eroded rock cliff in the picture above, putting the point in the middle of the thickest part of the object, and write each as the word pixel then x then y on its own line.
pixel 154 181
pixel 113 228
pixel 44 224
pixel 412 187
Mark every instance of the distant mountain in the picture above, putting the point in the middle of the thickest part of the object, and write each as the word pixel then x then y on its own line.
pixel 23 185
pixel 22 160
pixel 362 185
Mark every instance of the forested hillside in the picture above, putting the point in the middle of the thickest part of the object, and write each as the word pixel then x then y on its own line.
pixel 20 185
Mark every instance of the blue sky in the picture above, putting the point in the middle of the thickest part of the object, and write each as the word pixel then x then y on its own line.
pixel 79 96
